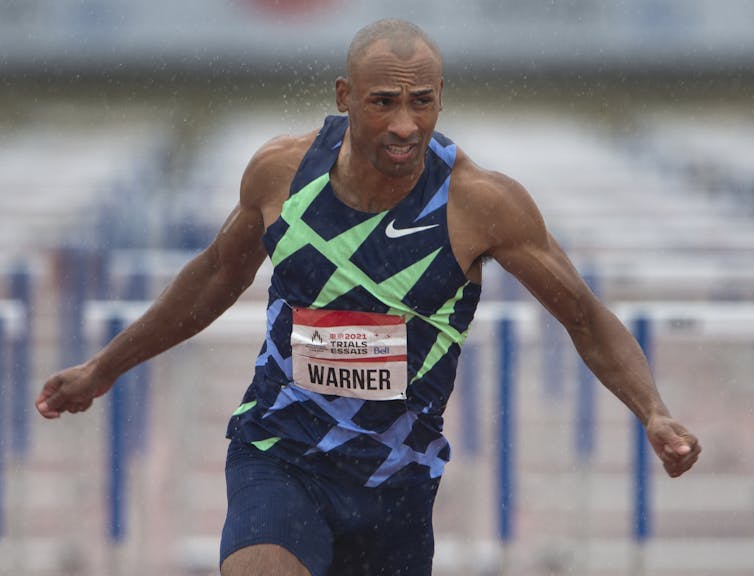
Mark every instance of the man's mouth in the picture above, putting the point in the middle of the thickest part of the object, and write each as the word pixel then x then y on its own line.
pixel 400 152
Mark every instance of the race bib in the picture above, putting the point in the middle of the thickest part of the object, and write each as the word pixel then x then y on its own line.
pixel 355 354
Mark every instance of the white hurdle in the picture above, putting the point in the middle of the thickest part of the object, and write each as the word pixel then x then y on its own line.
pixel 499 331
pixel 731 320
pixel 103 320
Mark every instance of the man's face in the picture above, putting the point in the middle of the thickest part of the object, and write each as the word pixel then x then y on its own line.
pixel 392 104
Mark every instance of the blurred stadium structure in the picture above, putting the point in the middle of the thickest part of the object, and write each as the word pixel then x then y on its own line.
pixel 124 129
pixel 238 36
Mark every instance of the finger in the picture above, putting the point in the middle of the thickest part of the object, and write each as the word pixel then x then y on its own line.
pixel 678 445
pixel 46 402
pixel 46 411
pixel 676 471
pixel 676 467
pixel 677 461
pixel 53 405
pixel 687 461
pixel 80 407
pixel 678 449
pixel 690 459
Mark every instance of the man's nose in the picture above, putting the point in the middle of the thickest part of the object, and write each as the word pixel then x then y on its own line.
pixel 402 124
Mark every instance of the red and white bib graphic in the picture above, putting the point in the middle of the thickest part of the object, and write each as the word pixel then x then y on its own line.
pixel 355 354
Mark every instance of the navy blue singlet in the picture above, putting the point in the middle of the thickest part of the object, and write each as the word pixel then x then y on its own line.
pixel 328 256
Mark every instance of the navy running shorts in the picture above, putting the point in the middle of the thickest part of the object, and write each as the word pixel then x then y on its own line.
pixel 333 528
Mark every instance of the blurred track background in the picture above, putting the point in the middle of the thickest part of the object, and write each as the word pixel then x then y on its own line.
pixel 124 130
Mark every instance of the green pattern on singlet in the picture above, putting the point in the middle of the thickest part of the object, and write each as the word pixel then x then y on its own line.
pixel 245 407
pixel 265 445
pixel 446 336
pixel 347 275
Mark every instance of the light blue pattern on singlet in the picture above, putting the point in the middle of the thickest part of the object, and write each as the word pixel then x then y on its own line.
pixel 448 155
pixel 273 311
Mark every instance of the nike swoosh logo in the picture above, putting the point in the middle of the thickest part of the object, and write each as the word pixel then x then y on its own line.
pixel 392 232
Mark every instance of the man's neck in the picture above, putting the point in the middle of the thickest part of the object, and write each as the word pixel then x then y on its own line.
pixel 358 184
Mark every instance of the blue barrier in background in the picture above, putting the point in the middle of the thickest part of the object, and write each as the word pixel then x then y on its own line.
pixel 12 318
pixel 585 397
pixel 553 365
pixel 507 339
pixel 585 425
pixel 124 401
pixel 118 452
pixel 20 290
pixel 73 287
pixel 506 351
pixel 585 413
pixel 642 522
pixel 137 379
pixel 3 387
pixel 81 275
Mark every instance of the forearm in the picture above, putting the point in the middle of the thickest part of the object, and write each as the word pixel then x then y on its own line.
pixel 197 296
pixel 616 359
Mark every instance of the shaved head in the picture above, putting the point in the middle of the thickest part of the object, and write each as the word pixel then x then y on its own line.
pixel 403 39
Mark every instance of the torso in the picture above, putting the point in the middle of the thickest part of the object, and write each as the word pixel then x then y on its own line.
pixel 398 262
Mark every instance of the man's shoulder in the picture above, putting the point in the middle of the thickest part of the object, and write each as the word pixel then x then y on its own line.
pixel 272 168
pixel 492 209
pixel 283 151
pixel 471 181
pixel 279 156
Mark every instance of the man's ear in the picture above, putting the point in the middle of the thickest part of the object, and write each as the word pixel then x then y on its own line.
pixel 439 94
pixel 342 90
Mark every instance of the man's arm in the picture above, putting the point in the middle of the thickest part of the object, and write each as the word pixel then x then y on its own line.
pixel 205 287
pixel 519 241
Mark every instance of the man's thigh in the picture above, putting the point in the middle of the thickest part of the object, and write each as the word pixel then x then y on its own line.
pixel 272 517
pixel 384 531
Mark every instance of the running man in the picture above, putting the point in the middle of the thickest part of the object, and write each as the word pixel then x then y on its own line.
pixel 377 227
